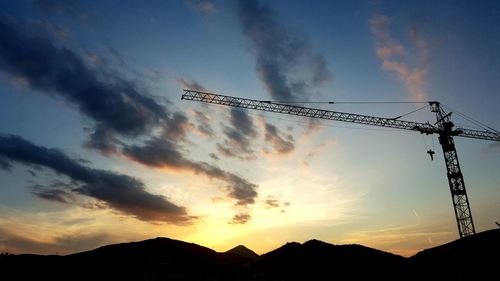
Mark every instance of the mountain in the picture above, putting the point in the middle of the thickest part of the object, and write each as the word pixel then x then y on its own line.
pixel 317 260
pixel 153 259
pixel 470 258
pixel 243 251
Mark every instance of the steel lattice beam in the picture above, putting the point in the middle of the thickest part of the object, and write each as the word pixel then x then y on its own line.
pixel 308 112
pixel 443 127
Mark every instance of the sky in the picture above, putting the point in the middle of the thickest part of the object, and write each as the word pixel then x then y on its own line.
pixel 97 147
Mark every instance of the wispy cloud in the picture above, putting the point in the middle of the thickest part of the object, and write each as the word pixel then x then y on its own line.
pixel 272 202
pixel 240 219
pixel 410 67
pixel 239 136
pixel 204 124
pixel 162 153
pixel 281 143
pixel 190 85
pixel 13 242
pixel 57 191
pixel 202 6
pixel 68 8
pixel 123 193
pixel 285 62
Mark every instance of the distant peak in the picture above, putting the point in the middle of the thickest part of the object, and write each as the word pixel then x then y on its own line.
pixel 243 251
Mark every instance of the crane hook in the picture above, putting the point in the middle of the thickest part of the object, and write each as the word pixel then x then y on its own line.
pixel 431 153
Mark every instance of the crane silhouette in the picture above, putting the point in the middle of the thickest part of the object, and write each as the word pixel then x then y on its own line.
pixel 444 128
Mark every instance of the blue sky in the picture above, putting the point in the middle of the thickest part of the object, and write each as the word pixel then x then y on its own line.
pixel 98 148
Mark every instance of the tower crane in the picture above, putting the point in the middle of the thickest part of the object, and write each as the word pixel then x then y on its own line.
pixel 443 127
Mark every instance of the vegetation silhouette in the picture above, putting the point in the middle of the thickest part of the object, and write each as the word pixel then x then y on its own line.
pixel 472 257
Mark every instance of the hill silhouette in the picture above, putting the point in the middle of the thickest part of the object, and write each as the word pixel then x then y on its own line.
pixel 473 257
pixel 317 260
pixel 243 251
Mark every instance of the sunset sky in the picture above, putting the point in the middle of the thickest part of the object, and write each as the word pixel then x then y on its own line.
pixel 96 146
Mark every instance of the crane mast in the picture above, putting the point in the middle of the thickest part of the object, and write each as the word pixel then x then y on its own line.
pixel 455 178
pixel 443 127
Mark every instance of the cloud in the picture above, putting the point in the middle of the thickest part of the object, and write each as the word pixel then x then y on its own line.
pixel 272 203
pixel 240 219
pixel 114 104
pixel 59 7
pixel 205 7
pixel 162 153
pixel 122 113
pixel 53 29
pixel 494 144
pixel 120 192
pixel 204 126
pixel 282 143
pixel 191 85
pixel 395 57
pixel 68 8
pixel 285 62
pixel 14 243
pixel 58 191
pixel 238 136
pixel 316 150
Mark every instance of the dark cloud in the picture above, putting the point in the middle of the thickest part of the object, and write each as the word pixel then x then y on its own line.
pixel 281 55
pixel 114 104
pixel 58 192
pixel 191 85
pixel 204 126
pixel 320 71
pixel 177 126
pixel 120 192
pixel 121 113
pixel 52 29
pixel 103 140
pixel 238 136
pixel 282 143
pixel 4 164
pixel 240 219
pixel 162 153
pixel 213 156
pixel 272 203
pixel 117 56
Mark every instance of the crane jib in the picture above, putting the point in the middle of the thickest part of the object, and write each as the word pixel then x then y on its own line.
pixel 269 106
pixel 307 111
pixel 443 127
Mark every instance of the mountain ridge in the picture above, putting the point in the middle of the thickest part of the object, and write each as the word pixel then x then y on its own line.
pixel 163 258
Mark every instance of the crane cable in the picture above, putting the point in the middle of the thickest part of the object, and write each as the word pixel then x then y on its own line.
pixel 413 111
pixel 346 102
pixel 472 120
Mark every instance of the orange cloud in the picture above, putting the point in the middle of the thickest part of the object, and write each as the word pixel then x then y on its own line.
pixel 395 57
